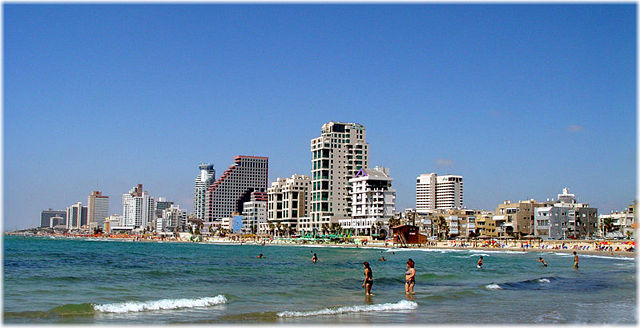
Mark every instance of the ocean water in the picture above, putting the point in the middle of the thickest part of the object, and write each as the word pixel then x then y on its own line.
pixel 116 282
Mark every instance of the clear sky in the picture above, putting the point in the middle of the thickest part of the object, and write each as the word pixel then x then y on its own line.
pixel 522 100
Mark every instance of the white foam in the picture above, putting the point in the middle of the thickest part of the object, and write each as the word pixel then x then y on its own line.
pixel 545 280
pixel 402 305
pixel 493 286
pixel 610 257
pixel 165 304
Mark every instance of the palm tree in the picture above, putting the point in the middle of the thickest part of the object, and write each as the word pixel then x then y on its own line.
pixel 324 228
pixel 443 227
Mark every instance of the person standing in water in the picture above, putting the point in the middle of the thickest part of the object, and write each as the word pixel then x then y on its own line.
pixel 575 260
pixel 368 278
pixel 542 261
pixel 480 263
pixel 314 259
pixel 410 277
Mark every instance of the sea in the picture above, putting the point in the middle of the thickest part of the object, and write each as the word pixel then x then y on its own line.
pixel 51 280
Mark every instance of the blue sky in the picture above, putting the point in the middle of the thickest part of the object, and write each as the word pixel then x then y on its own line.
pixel 521 100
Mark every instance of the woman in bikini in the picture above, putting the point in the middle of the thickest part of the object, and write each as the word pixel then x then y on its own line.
pixel 410 277
pixel 368 278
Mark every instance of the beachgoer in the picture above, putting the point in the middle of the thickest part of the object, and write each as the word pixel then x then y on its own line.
pixel 382 259
pixel 480 263
pixel 260 256
pixel 542 261
pixel 368 278
pixel 410 277
pixel 575 260
pixel 314 259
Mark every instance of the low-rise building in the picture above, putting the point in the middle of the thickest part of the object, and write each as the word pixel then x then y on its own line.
pixel 254 213
pixel 565 218
pixel 618 224
pixel 515 219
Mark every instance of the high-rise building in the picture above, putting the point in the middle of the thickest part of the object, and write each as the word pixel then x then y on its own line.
pixel 138 208
pixel 247 174
pixel 373 202
pixel 98 208
pixel 338 154
pixel 46 215
pixel 76 216
pixel 202 183
pixel 435 192
pixel 289 200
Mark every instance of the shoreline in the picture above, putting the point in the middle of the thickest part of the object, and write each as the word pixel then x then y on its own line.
pixel 440 245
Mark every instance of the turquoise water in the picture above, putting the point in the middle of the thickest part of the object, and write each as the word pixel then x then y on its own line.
pixel 114 282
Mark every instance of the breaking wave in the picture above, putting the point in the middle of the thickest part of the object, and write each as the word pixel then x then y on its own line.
pixel 493 286
pixel 165 304
pixel 402 305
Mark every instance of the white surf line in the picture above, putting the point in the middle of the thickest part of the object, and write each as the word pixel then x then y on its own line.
pixel 164 304
pixel 401 305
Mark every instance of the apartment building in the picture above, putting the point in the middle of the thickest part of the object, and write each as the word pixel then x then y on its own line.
pixel 289 200
pixel 337 155
pixel 565 218
pixel 372 202
pixel 515 219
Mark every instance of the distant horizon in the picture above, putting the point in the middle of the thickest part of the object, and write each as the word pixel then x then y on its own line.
pixel 521 100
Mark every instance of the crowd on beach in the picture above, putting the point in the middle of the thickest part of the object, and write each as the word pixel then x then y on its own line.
pixel 609 247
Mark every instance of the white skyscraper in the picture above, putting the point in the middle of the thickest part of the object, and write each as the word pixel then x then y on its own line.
pixel 438 192
pixel 138 209
pixel 338 154
pixel 205 179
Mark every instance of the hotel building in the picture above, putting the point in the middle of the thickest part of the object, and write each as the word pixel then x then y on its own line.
pixel 435 192
pixel 338 154
pixel 46 215
pixel 227 194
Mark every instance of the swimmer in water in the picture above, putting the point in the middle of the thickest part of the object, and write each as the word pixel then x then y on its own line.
pixel 368 278
pixel 480 263
pixel 382 259
pixel 260 256
pixel 410 277
pixel 575 260
pixel 314 259
pixel 542 261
